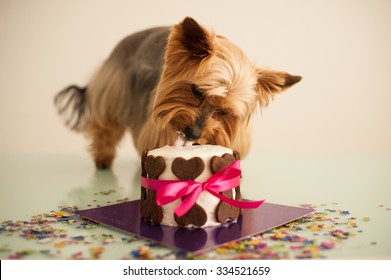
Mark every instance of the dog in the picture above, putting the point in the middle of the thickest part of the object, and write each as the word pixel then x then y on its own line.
pixel 170 85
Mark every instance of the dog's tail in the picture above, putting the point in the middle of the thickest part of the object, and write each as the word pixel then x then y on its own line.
pixel 71 104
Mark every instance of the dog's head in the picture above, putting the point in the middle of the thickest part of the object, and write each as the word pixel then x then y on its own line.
pixel 209 89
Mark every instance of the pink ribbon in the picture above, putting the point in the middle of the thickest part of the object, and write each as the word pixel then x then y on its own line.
pixel 226 179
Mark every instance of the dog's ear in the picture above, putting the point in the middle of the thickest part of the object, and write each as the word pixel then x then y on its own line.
pixel 194 38
pixel 271 82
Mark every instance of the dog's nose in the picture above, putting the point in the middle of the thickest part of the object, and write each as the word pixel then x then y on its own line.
pixel 192 133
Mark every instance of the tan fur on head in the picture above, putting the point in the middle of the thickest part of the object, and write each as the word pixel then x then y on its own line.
pixel 194 84
pixel 230 85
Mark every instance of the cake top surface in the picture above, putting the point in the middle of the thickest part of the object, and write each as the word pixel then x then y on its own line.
pixel 187 152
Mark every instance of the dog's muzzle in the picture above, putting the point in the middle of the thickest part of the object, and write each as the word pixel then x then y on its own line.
pixel 192 133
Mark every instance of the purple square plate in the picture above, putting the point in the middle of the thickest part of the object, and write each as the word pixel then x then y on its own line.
pixel 126 217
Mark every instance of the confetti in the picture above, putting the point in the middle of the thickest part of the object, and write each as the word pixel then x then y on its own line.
pixel 77 256
pixel 310 237
pixel 107 192
pixel 353 224
pixel 327 245
pixel 306 205
pixel 80 237
pixel 141 254
pixel 96 252
pixel 302 246
pixel 88 225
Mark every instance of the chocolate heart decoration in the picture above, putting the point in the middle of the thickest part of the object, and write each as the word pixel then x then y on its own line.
pixel 217 163
pixel 224 211
pixel 187 169
pixel 152 167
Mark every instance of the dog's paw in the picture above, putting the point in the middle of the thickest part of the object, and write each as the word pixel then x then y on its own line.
pixel 104 163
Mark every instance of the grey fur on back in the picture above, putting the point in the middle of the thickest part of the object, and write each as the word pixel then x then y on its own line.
pixel 141 55
pixel 122 91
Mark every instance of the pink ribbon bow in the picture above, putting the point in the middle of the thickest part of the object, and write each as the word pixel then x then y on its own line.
pixel 168 191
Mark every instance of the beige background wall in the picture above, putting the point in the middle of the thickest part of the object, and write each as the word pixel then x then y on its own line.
pixel 341 48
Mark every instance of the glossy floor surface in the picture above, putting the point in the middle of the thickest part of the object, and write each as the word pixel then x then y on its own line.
pixel 353 185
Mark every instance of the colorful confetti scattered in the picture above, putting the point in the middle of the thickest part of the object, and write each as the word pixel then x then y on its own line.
pixel 96 252
pixel 310 237
pixel 299 239
pixel 327 245
pixel 141 254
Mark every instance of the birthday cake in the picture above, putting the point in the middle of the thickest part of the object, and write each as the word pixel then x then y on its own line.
pixel 190 186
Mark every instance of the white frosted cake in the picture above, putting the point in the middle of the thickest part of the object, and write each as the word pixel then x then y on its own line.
pixel 187 164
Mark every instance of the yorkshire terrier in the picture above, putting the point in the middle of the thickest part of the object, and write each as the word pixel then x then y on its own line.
pixel 171 86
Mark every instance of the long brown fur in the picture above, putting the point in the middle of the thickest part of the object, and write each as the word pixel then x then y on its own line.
pixel 163 83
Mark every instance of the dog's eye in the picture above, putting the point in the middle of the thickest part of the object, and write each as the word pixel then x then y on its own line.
pixel 222 113
pixel 197 92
